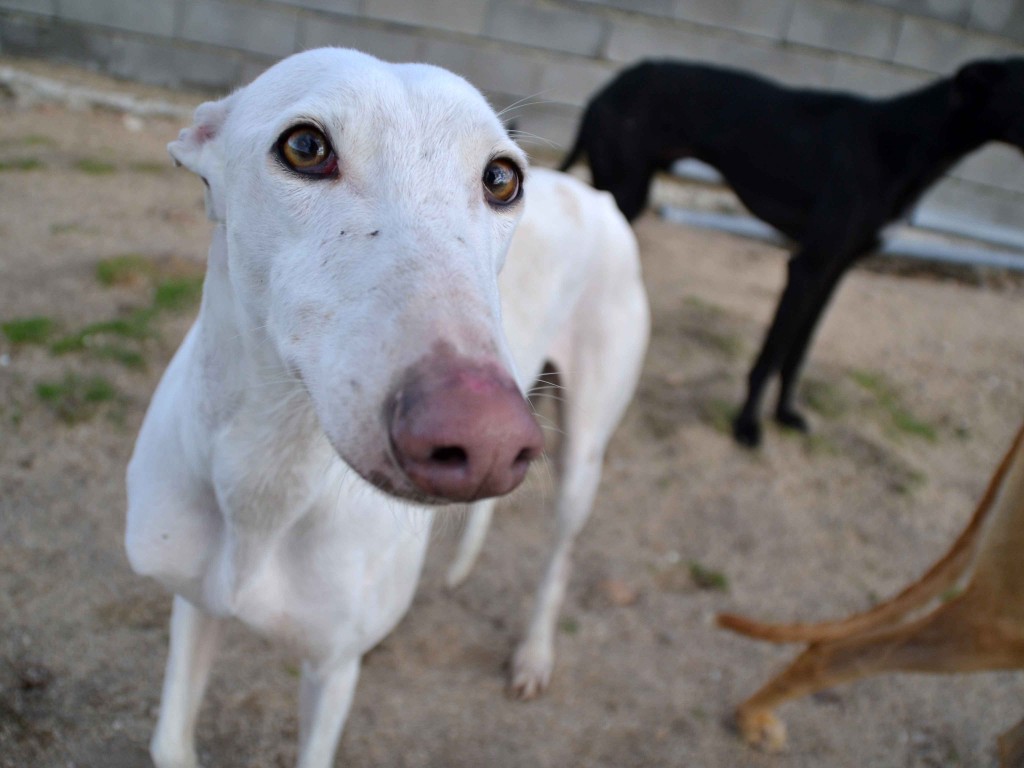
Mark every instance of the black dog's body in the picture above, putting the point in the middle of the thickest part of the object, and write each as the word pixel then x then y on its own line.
pixel 828 170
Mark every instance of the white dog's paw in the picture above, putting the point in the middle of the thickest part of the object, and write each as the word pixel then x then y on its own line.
pixel 172 756
pixel 531 672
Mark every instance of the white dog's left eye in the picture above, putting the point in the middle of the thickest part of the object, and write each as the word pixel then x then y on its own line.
pixel 502 182
pixel 304 149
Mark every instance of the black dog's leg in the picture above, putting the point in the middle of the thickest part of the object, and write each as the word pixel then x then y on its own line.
pixel 810 283
pixel 803 283
pixel 786 413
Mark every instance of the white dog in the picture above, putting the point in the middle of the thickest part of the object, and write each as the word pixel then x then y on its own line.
pixel 349 364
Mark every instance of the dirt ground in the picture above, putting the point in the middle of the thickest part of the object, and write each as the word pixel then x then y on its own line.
pixel 914 387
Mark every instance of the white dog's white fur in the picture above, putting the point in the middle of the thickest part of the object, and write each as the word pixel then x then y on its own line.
pixel 263 485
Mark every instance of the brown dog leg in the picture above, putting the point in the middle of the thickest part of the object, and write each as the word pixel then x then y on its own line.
pixel 1011 747
pixel 981 629
pixel 964 635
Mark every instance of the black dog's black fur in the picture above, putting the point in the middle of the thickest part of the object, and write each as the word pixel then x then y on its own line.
pixel 828 170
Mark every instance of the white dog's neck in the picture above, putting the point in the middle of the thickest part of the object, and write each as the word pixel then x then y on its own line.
pixel 259 411
pixel 240 365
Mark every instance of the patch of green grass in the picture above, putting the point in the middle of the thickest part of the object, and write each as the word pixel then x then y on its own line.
pixel 145 166
pixel 904 421
pixel 699 304
pixel 718 414
pixel 75 398
pixel 900 418
pixel 129 358
pixel 16 415
pixel 117 339
pixel 21 164
pixel 728 344
pixel 711 316
pixel 872 381
pixel 36 140
pixel 569 625
pixel 28 330
pixel 706 578
pixel 135 326
pixel 12 413
pixel 63 228
pixel 909 481
pixel 178 293
pixel 95 167
pixel 126 269
pixel 816 444
pixel 824 398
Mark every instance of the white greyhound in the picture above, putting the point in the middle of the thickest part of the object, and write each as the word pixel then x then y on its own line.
pixel 349 367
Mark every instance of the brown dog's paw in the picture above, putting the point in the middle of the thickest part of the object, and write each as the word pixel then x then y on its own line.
pixel 762 730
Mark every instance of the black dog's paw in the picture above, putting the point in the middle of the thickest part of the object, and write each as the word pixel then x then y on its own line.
pixel 792 419
pixel 747 432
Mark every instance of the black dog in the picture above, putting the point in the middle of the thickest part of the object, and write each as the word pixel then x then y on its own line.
pixel 828 170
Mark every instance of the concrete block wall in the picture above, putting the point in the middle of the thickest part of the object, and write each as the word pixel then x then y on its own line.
pixel 547 56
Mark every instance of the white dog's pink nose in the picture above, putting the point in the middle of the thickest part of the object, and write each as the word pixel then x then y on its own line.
pixel 462 432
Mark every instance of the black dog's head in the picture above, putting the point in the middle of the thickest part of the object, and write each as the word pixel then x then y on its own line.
pixel 990 93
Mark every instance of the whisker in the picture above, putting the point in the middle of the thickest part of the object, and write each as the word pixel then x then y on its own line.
pixel 525 137
pixel 527 101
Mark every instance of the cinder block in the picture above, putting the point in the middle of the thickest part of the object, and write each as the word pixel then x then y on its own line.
pixel 664 8
pixel 47 7
pixel 996 165
pixel 957 200
pixel 759 17
pixel 544 27
pixel 387 44
pixel 52 38
pixel 252 66
pixel 630 41
pixel 572 81
pixel 263 29
pixel 546 131
pixel 848 27
pixel 339 7
pixel 793 66
pixel 175 65
pixel 1000 17
pixel 941 48
pixel 955 11
pixel 153 17
pixel 874 79
pixel 488 66
pixel 466 16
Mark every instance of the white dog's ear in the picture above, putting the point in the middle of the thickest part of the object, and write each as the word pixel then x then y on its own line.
pixel 199 148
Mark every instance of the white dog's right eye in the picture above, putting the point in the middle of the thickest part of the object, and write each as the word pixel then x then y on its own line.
pixel 304 149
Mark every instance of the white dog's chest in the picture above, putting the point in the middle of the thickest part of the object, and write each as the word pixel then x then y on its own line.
pixel 314 591
pixel 311 588
pixel 291 542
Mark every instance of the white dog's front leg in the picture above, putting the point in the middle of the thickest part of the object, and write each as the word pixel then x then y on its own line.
pixel 324 700
pixel 194 636
pixel 534 658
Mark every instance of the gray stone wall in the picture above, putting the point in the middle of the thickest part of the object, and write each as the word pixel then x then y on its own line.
pixel 547 56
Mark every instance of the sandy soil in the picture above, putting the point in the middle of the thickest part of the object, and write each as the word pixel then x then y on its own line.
pixel 916 386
